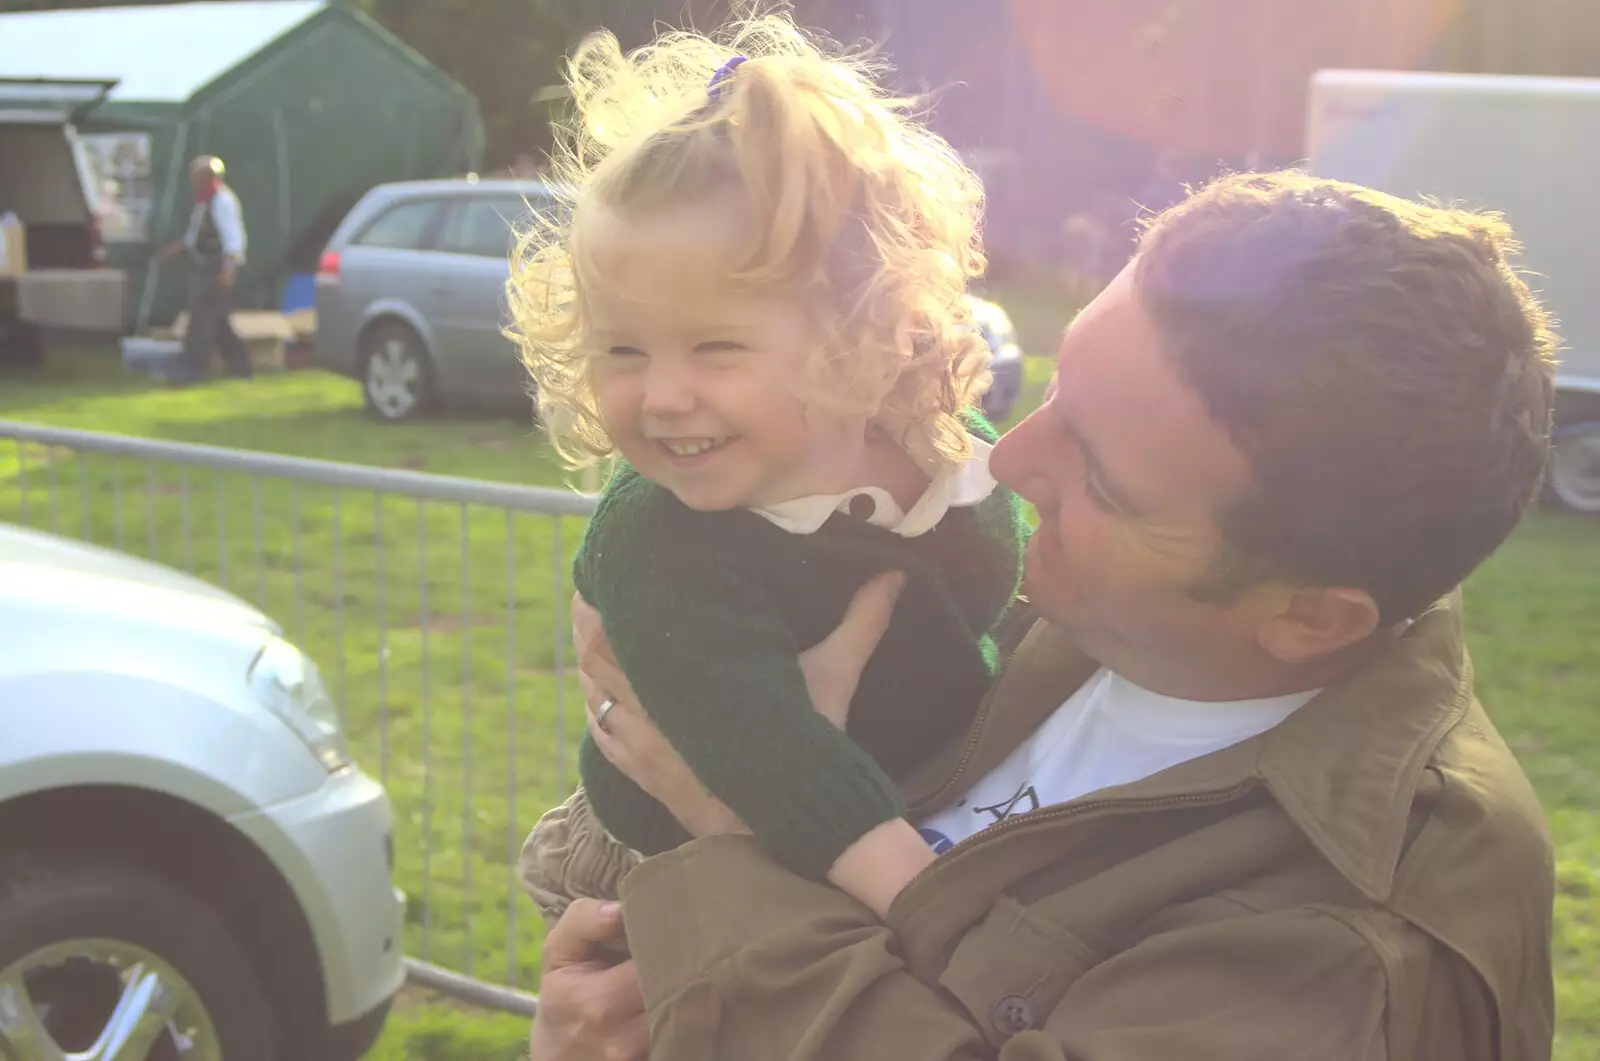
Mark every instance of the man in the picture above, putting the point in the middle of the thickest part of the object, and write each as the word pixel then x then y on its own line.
pixel 1232 796
pixel 215 242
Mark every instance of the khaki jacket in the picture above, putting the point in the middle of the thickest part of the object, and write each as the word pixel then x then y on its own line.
pixel 1372 879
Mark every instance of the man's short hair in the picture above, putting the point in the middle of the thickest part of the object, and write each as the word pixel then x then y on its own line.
pixel 208 164
pixel 1384 369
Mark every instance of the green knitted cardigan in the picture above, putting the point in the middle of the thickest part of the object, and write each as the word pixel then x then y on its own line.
pixel 706 613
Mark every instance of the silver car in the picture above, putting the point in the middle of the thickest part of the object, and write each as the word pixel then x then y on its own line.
pixel 411 294
pixel 190 865
pixel 411 300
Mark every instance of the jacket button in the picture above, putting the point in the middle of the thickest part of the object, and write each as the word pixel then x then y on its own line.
pixel 1012 1015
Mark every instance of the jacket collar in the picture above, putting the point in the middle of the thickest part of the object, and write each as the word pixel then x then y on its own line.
pixel 1345 767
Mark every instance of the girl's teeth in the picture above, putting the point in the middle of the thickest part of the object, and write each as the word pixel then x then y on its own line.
pixel 690 449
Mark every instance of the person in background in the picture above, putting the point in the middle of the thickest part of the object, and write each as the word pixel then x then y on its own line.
pixel 215 242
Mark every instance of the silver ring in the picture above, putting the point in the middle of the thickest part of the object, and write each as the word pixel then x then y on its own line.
pixel 600 713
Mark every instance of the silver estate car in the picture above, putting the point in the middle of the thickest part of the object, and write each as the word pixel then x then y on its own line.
pixel 411 295
pixel 411 300
pixel 191 867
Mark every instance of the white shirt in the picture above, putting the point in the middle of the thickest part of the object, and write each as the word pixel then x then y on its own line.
pixel 228 216
pixel 959 486
pixel 1110 732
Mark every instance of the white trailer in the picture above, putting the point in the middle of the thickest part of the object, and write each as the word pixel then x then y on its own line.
pixel 1528 147
pixel 52 259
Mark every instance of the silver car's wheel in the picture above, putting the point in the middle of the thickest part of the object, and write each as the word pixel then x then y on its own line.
pixel 101 1000
pixel 1575 470
pixel 396 376
pixel 105 961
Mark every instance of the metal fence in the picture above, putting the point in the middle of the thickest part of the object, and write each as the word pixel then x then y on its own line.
pixel 436 606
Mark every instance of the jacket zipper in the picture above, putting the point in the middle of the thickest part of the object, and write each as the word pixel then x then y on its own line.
pixel 1027 619
pixel 973 736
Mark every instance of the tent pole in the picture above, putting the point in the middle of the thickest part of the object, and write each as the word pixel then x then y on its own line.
pixel 176 162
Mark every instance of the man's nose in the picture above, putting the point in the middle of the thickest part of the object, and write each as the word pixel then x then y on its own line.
pixel 1022 464
pixel 1010 460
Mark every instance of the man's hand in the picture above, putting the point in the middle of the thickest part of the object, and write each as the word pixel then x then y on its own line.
pixel 588 640
pixel 587 1010
pixel 877 867
pixel 633 744
pixel 631 741
pixel 229 273
pixel 833 666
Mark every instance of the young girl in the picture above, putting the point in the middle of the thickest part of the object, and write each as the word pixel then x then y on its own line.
pixel 758 304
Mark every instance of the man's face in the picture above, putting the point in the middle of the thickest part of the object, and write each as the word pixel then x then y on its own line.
pixel 1129 474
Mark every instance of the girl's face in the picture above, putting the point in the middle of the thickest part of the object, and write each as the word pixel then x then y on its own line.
pixel 697 378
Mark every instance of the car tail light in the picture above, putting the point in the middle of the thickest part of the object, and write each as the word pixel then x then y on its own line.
pixel 328 265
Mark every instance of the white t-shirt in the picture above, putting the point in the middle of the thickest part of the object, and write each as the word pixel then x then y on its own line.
pixel 1110 732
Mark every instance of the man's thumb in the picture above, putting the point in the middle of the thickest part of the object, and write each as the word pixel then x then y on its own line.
pixel 582 927
pixel 866 619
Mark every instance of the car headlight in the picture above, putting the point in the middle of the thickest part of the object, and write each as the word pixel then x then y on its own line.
pixel 1002 342
pixel 288 684
pixel 994 323
pixel 1007 349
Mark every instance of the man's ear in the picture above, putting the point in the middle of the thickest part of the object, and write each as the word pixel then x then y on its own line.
pixel 1317 621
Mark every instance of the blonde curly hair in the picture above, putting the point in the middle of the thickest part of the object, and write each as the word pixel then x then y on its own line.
pixel 861 211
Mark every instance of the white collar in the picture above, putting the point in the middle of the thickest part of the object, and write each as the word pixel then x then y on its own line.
pixel 959 486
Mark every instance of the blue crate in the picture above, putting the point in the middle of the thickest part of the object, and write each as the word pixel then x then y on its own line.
pixel 299 292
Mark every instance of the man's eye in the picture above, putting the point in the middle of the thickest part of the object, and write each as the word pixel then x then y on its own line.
pixel 721 346
pixel 625 351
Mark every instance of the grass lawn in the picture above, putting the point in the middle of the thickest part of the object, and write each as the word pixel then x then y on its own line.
pixel 472 751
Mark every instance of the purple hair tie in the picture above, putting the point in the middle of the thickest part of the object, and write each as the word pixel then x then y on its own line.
pixel 714 86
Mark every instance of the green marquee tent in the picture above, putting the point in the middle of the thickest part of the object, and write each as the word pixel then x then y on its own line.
pixel 308 102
